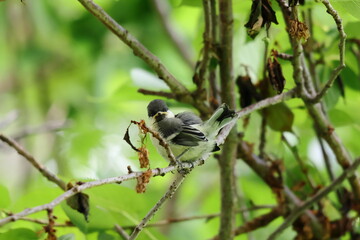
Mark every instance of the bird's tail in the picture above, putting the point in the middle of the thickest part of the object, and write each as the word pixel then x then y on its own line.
pixel 221 117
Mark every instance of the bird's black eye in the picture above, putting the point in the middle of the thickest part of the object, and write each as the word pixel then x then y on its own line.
pixel 159 117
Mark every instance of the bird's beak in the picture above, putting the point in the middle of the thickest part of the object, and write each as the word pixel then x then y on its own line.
pixel 160 116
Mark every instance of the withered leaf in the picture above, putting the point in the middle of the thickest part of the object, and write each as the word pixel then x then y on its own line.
pixel 247 91
pixel 245 94
pixel 80 203
pixel 261 14
pixel 275 74
pixel 143 180
pixel 127 139
pixel 299 30
pixel 143 155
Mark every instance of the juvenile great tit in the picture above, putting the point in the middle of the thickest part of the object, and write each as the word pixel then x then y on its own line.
pixel 189 138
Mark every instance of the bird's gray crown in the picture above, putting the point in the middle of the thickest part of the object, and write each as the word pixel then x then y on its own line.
pixel 156 106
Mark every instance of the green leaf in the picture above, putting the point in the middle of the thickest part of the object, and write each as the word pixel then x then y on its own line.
pixel 69 236
pixel 350 78
pixel 350 6
pixel 340 118
pixel 279 117
pixel 352 29
pixel 108 236
pixel 19 234
pixel 99 218
pixel 5 197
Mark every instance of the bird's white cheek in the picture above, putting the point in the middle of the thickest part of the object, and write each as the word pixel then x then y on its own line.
pixel 170 114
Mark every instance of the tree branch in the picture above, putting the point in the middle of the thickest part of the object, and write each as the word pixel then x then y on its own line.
pixel 206 216
pixel 78 188
pixel 121 232
pixel 44 171
pixel 157 93
pixel 315 110
pixel 342 41
pixel 44 128
pixel 317 197
pixel 172 189
pixel 254 107
pixel 162 8
pixel 181 92
pixel 228 155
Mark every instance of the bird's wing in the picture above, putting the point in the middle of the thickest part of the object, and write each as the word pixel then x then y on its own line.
pixel 179 130
pixel 170 127
pixel 189 136
pixel 188 118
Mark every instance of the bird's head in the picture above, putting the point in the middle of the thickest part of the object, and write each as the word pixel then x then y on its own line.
pixel 158 110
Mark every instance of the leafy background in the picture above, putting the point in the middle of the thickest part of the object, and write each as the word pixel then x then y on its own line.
pixel 59 64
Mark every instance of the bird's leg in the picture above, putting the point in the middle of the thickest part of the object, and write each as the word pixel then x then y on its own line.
pixel 180 164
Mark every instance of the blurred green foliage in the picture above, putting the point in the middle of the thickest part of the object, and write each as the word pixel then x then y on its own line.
pixel 59 63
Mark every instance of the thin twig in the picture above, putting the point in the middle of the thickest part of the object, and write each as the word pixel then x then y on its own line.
pixel 172 189
pixel 44 128
pixel 44 171
pixel 121 232
pixel 43 222
pixel 208 42
pixel 259 222
pixel 162 8
pixel 206 216
pixel 256 223
pixel 254 107
pixel 161 140
pixel 342 41
pixel 300 161
pixel 317 197
pixel 157 93
pixel 214 96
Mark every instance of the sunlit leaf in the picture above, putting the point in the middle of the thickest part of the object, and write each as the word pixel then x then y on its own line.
pixel 340 118
pixel 19 234
pixel 351 6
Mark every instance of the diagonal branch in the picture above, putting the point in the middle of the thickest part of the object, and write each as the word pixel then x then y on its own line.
pixel 317 197
pixel 162 8
pixel 254 107
pixel 342 41
pixel 44 171
pixel 172 189
pixel 92 184
pixel 141 51
pixel 206 217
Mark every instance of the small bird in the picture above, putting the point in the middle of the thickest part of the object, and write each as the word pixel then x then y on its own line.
pixel 188 136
